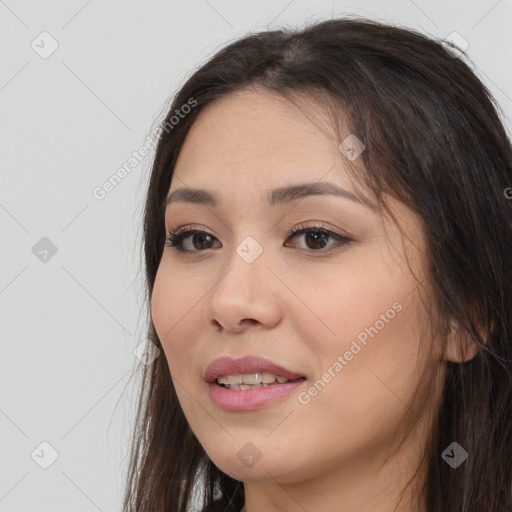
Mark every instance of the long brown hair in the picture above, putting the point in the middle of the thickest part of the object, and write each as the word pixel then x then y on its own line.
pixel 435 141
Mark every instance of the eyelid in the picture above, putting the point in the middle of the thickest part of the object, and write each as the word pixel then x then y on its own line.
pixel 322 226
pixel 291 231
pixel 190 227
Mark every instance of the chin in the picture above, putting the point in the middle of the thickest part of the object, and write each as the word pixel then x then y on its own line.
pixel 251 464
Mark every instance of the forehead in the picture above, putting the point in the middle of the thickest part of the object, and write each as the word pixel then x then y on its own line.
pixel 257 137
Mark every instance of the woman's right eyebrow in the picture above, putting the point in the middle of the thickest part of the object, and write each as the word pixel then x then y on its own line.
pixel 278 196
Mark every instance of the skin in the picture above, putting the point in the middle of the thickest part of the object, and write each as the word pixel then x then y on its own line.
pixel 301 307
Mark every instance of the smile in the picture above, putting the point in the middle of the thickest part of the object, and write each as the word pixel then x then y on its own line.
pixel 250 380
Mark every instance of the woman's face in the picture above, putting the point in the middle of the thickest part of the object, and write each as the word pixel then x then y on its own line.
pixel 342 309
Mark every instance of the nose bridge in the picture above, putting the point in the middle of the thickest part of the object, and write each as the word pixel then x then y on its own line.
pixel 246 264
pixel 243 291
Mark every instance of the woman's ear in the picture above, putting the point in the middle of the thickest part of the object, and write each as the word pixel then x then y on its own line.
pixel 460 348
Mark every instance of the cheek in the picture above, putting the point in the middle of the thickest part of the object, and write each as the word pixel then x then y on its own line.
pixel 173 313
pixel 344 307
pixel 366 345
pixel 162 304
pixel 361 391
pixel 377 366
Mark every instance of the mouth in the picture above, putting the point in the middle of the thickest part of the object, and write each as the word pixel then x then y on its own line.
pixel 256 380
pixel 249 382
pixel 248 371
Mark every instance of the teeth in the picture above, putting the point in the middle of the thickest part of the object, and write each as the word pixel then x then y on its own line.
pixel 251 378
pixel 230 379
pixel 247 380
pixel 269 378
pixel 238 387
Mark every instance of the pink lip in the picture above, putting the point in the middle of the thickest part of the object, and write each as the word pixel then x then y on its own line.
pixel 247 399
pixel 243 400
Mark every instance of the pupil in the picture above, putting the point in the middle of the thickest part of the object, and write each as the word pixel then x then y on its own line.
pixel 202 237
pixel 313 236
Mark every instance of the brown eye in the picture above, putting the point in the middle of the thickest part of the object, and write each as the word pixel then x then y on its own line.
pixel 190 241
pixel 317 238
pixel 201 241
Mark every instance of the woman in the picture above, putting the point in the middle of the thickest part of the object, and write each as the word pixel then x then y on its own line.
pixel 327 222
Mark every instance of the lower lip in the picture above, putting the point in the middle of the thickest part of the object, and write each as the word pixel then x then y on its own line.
pixel 247 399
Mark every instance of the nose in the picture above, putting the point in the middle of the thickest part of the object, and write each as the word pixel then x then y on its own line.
pixel 245 295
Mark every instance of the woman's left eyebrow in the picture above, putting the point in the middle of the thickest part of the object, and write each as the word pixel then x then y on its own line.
pixel 278 196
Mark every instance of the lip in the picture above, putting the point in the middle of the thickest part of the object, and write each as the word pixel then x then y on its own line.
pixel 247 399
pixel 246 364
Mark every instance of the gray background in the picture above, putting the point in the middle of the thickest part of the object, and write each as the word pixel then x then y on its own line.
pixel 70 321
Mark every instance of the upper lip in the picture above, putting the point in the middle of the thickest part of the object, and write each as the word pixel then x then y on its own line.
pixel 246 364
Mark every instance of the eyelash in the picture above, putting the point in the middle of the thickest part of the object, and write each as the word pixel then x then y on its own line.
pixel 174 239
